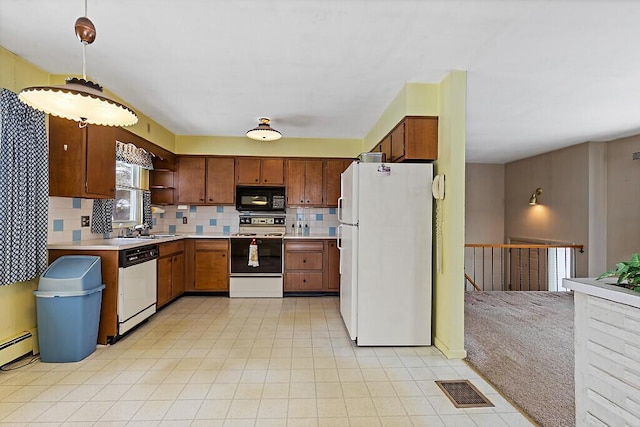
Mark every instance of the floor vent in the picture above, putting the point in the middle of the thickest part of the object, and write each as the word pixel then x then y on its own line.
pixel 463 394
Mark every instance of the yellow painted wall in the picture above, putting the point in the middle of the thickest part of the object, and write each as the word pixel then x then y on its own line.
pixel 17 302
pixel 448 281
pixel 16 73
pixel 286 147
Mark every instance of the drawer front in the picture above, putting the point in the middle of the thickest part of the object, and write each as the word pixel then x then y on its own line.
pixel 306 245
pixel 303 282
pixel 171 248
pixel 212 244
pixel 303 261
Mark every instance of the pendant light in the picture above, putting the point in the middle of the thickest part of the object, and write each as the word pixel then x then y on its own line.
pixel 79 99
pixel 264 132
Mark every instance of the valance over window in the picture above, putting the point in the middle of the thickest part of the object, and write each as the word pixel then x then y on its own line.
pixel 127 152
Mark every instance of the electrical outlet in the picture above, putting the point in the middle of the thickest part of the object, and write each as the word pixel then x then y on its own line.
pixel 84 221
pixel 184 219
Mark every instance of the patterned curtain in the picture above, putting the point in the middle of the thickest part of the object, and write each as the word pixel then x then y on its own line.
pixel 24 190
pixel 147 217
pixel 127 152
pixel 101 219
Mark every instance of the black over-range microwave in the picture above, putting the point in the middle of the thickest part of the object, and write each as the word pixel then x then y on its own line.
pixel 270 199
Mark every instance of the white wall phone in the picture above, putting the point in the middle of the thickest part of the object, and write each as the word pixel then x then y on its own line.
pixel 437 188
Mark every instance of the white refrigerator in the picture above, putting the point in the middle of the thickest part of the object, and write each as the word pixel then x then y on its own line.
pixel 385 253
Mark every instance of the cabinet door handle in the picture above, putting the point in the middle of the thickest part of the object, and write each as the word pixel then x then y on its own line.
pixel 202 200
pixel 257 180
pixel 304 280
pixel 301 201
pixel 304 260
pixel 224 255
pixel 211 200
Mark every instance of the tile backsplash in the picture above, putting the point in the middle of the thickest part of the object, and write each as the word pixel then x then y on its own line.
pixel 224 219
pixel 65 220
pixel 64 223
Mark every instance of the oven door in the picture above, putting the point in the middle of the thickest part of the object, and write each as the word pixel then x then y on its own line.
pixel 269 257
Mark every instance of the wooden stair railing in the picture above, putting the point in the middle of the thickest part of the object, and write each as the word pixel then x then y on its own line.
pixel 519 266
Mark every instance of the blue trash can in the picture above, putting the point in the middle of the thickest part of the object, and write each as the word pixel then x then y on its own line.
pixel 68 303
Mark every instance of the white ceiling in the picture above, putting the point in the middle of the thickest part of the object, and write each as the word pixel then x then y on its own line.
pixel 540 74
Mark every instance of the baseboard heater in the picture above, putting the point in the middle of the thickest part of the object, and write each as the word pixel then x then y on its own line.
pixel 15 347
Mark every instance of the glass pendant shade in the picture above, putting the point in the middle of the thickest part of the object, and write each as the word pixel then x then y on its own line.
pixel 264 132
pixel 79 100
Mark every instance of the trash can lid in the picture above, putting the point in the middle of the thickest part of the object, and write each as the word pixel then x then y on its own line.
pixel 70 266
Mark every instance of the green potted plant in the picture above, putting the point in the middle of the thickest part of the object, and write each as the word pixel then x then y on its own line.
pixel 628 273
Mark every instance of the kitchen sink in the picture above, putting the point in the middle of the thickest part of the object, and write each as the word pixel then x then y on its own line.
pixel 149 237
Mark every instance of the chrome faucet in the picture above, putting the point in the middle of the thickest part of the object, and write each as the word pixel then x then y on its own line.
pixel 141 229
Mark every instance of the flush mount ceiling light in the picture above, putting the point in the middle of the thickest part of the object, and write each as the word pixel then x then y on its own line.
pixel 533 200
pixel 264 132
pixel 79 99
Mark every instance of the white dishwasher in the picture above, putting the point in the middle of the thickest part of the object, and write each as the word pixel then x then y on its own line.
pixel 137 289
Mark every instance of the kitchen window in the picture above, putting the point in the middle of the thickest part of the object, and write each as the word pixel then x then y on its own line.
pixel 128 201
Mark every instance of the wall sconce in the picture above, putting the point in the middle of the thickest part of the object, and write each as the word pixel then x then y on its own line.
pixel 534 197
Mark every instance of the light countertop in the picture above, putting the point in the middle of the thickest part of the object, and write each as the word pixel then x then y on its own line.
pixel 605 289
pixel 119 243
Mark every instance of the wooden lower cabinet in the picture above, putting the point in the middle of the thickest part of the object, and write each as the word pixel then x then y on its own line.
pixel 333 266
pixel 310 266
pixel 170 271
pixel 207 265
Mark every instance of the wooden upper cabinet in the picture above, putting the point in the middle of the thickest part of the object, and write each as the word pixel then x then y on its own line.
pixel 191 180
pixel 295 182
pixel 421 138
pixel 397 142
pixel 305 183
pixel 205 180
pixel 248 171
pixel 82 161
pixel 415 138
pixel 259 171
pixel 314 182
pixel 333 168
pixel 220 180
pixel 272 171
pixel 385 147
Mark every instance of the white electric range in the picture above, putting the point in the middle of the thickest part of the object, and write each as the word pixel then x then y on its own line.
pixel 264 278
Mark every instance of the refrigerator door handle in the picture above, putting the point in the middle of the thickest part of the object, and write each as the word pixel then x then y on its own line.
pixel 339 244
pixel 340 209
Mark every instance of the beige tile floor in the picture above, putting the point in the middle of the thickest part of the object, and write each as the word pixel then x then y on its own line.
pixel 208 361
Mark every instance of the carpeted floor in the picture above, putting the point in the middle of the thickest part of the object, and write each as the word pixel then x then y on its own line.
pixel 522 342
